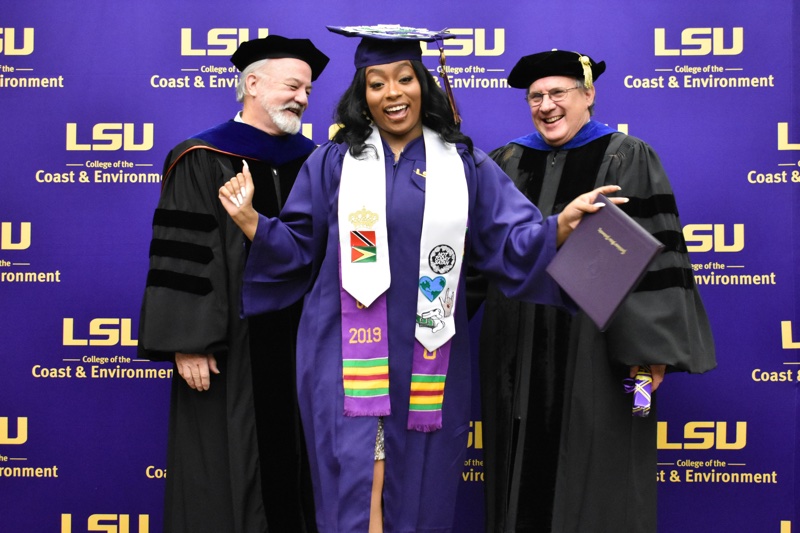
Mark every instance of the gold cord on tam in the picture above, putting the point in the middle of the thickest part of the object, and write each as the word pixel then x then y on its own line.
pixel 446 80
pixel 587 71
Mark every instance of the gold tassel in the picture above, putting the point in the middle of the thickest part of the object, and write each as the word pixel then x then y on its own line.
pixel 447 88
pixel 587 71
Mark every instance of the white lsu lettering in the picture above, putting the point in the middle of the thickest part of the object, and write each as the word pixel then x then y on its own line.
pixel 110 523
pixel 22 431
pixel 8 44
pixel 464 46
pixel 102 332
pixel 226 41
pixel 7 234
pixel 110 136
pixel 707 435
pixel 701 42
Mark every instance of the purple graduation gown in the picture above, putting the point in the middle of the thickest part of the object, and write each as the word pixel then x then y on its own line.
pixel 297 255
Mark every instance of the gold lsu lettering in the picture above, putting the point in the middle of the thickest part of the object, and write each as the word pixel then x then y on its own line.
pixel 708 237
pixel 112 136
pixel 473 42
pixel 475 436
pixel 22 431
pixel 110 523
pixel 700 42
pixel 219 41
pixel 6 236
pixel 787 340
pixel 8 44
pixel 102 332
pixel 783 138
pixel 703 435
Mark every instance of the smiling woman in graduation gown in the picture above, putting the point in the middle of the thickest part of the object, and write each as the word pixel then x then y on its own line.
pixel 299 255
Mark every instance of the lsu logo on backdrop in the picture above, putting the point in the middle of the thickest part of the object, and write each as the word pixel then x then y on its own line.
pixel 111 136
pixel 110 523
pixel 714 237
pixel 703 436
pixel 12 45
pixel 475 438
pixel 102 332
pixel 473 42
pixel 218 41
pixel 20 434
pixel 787 339
pixel 701 42
pixel 7 241
pixel 783 138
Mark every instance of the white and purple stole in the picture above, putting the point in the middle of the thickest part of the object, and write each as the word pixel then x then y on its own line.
pixel 365 277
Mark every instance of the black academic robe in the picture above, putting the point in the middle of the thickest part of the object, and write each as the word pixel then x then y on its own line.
pixel 562 451
pixel 236 461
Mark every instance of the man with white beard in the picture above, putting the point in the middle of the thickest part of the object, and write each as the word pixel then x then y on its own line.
pixel 236 457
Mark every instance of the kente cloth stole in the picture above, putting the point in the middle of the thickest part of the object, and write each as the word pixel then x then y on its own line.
pixel 365 277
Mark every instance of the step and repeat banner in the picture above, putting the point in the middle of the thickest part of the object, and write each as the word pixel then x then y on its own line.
pixel 92 98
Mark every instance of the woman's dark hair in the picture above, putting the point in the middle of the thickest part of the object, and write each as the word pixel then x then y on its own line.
pixel 352 112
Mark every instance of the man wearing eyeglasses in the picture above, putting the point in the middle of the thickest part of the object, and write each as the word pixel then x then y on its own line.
pixel 563 452
pixel 235 454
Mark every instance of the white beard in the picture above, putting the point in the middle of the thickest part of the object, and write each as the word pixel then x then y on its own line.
pixel 286 122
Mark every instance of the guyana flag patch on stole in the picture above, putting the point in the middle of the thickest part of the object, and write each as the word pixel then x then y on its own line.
pixel 362 247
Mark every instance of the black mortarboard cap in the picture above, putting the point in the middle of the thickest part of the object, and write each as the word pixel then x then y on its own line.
pixel 555 63
pixel 276 47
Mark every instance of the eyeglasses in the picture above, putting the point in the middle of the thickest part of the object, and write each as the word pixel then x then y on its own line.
pixel 556 95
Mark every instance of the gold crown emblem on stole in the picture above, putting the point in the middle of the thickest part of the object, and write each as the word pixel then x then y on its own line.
pixel 363 219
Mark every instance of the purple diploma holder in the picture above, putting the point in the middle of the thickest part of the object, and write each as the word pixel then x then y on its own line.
pixel 602 261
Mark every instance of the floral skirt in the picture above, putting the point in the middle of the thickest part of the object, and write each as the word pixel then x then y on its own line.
pixel 380 452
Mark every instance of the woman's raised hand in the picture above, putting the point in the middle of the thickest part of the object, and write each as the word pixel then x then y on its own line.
pixel 569 218
pixel 236 196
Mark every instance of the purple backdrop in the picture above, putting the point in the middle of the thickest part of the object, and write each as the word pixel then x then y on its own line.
pixel 93 98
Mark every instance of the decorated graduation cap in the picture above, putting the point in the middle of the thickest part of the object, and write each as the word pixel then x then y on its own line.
pixel 387 43
pixel 277 47
pixel 555 63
